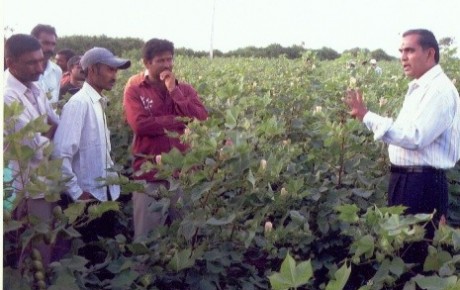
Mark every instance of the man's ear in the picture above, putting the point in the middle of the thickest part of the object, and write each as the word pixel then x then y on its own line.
pixel 9 62
pixel 431 53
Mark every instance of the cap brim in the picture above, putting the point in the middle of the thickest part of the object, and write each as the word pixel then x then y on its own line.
pixel 118 63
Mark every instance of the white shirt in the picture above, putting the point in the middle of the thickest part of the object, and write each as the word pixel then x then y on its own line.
pixel 82 140
pixel 427 129
pixel 35 105
pixel 50 80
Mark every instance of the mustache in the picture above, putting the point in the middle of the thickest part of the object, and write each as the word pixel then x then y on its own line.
pixel 48 53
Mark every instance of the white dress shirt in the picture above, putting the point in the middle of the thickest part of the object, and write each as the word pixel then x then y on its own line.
pixel 35 105
pixel 427 129
pixel 82 140
pixel 50 81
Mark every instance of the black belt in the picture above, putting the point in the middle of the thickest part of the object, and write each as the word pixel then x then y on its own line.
pixel 414 169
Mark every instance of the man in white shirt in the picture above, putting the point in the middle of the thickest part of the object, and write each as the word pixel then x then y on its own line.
pixel 82 140
pixel 24 59
pixel 51 77
pixel 375 67
pixel 424 140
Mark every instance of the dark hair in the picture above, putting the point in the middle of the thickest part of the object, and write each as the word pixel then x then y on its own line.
pixel 155 46
pixel 19 44
pixel 43 28
pixel 74 60
pixel 68 53
pixel 426 40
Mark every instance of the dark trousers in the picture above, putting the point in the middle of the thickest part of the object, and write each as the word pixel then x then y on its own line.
pixel 102 227
pixel 421 192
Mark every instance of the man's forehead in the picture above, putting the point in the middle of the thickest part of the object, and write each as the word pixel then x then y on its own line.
pixel 31 55
pixel 410 40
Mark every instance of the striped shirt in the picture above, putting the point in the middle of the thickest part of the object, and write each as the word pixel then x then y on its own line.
pixel 427 129
pixel 82 140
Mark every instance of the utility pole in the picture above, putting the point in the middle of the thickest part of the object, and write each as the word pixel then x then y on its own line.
pixel 211 51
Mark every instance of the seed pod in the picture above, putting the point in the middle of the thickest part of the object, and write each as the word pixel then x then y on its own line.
pixel 36 255
pixel 158 159
pixel 38 265
pixel 284 192
pixel 268 227
pixel 39 276
pixel 41 284
pixel 57 211
pixel 263 164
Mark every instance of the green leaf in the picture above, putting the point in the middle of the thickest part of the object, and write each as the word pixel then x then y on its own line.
pixel 230 120
pixel 436 260
pixel 64 281
pixel 71 232
pixel 251 178
pixel 221 222
pixel 456 240
pixel 98 209
pixel 348 213
pixel 198 191
pixel 42 228
pixel 303 273
pixel 362 193
pixel 11 225
pixel 290 275
pixel 397 266
pixel 365 245
pixel 341 277
pixel 13 279
pixel 435 282
pixel 138 249
pixel 182 260
pixel 124 279
pixel 74 211
pixel 278 282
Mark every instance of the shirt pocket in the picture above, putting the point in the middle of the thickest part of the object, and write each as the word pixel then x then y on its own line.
pixel 90 137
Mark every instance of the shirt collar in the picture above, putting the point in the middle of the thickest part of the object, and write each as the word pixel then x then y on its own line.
pixel 145 78
pixel 93 94
pixel 51 67
pixel 13 82
pixel 427 77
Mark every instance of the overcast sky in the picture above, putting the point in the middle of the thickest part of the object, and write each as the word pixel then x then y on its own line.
pixel 338 24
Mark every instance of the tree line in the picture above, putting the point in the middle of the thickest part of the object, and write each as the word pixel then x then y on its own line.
pixel 119 46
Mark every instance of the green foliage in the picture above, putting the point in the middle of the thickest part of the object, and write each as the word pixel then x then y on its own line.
pixel 118 46
pixel 277 168
pixel 291 275
pixel 327 53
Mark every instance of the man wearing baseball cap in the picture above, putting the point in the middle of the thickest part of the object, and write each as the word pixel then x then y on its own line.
pixel 82 141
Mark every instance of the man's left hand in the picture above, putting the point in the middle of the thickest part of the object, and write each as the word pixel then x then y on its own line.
pixel 169 79
pixel 354 101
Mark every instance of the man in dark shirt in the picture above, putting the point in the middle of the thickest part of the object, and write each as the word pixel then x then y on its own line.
pixel 76 77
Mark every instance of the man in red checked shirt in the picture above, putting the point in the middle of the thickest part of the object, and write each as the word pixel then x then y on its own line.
pixel 153 101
